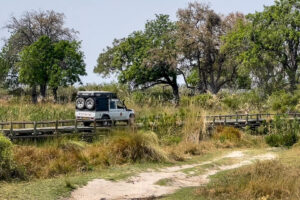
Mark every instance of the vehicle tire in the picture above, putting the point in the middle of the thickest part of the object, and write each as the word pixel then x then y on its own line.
pixel 80 103
pixel 106 123
pixel 86 123
pixel 90 103
pixel 131 120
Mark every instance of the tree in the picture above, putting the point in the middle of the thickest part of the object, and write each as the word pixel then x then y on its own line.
pixel 200 32
pixel 145 58
pixel 256 66
pixel 68 65
pixel 27 30
pixel 275 41
pixel 46 63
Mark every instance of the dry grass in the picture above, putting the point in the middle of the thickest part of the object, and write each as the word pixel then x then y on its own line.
pixel 277 179
pixel 264 180
pixel 73 156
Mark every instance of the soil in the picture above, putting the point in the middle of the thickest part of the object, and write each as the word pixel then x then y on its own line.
pixel 144 185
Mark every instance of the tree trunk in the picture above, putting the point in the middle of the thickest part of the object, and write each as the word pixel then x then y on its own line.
pixel 33 94
pixel 43 90
pixel 54 91
pixel 292 80
pixel 175 89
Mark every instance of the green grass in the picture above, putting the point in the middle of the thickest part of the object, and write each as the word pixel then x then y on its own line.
pixel 164 182
pixel 54 188
pixel 185 193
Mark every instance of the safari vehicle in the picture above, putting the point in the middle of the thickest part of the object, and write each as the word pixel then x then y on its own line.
pixel 101 105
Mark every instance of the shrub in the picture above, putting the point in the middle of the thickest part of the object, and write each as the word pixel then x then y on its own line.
pixel 277 140
pixel 8 169
pixel 283 102
pixel 233 102
pixel 69 145
pixel 227 133
pixel 283 132
pixel 133 147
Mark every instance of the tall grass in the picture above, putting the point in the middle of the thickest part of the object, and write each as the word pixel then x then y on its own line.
pixel 29 112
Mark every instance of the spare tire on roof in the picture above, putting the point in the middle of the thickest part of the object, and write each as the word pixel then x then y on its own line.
pixel 80 103
pixel 90 103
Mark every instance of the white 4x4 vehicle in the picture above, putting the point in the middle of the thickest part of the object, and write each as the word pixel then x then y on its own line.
pixel 100 105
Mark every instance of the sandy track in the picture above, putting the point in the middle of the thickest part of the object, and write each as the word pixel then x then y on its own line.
pixel 143 185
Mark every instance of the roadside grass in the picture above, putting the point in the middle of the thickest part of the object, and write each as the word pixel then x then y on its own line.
pixel 265 180
pixel 198 170
pixel 16 111
pixel 188 193
pixel 61 186
pixel 164 182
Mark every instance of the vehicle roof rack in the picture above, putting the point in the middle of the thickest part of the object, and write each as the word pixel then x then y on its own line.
pixel 104 94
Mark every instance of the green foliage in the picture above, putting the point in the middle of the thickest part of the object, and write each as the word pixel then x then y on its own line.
pixel 51 63
pixel 274 38
pixel 155 96
pixel 145 58
pixel 232 101
pixel 205 101
pixel 283 101
pixel 8 169
pixel 29 112
pixel 283 132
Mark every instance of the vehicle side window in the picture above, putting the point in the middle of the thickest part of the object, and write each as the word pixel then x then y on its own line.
pixel 120 105
pixel 112 105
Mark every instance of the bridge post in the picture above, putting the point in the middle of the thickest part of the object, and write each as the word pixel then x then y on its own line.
pixel 11 128
pixel 237 118
pixel 257 118
pixel 34 128
pixel 247 118
pixel 76 130
pixel 56 127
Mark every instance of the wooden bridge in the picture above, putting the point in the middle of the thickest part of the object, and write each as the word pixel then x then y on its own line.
pixel 61 127
pixel 51 128
pixel 243 120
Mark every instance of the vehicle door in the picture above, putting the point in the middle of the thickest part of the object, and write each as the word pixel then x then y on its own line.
pixel 116 113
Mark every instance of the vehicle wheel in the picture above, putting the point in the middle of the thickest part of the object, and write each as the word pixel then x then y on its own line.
pixel 86 123
pixel 90 103
pixel 80 103
pixel 131 120
pixel 106 123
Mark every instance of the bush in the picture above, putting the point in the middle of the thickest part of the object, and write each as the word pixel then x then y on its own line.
pixel 284 132
pixel 69 145
pixel 277 140
pixel 8 169
pixel 227 133
pixel 283 102
pixel 133 147
pixel 233 102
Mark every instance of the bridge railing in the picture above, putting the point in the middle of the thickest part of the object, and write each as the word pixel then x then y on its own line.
pixel 247 117
pixel 55 125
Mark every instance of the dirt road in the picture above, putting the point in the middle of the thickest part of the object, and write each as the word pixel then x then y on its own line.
pixel 146 185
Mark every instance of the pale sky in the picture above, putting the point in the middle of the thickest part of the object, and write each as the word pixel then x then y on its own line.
pixel 100 21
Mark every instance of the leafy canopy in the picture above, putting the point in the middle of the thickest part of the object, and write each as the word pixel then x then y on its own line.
pixel 57 64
